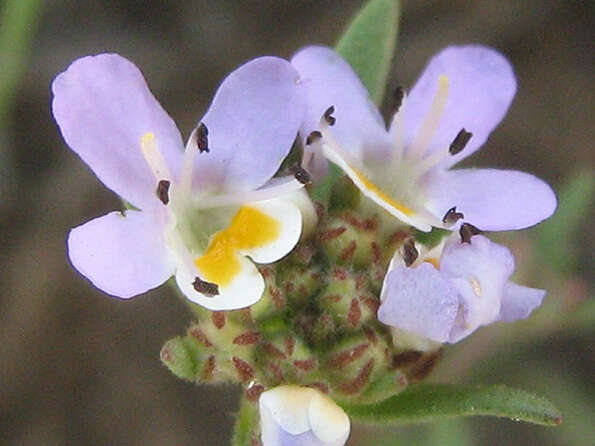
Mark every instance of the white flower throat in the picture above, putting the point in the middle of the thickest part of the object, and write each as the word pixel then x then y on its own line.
pixel 395 183
pixel 207 232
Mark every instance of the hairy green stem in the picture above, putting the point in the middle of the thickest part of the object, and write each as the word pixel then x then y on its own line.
pixel 245 431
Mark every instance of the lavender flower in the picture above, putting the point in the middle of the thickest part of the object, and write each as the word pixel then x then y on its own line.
pixel 461 96
pixel 202 211
pixel 446 293
pixel 301 416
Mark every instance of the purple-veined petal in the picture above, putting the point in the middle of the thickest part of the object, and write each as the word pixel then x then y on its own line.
pixel 252 123
pixel 104 107
pixel 519 301
pixel 491 199
pixel 481 87
pixel 328 80
pixel 420 300
pixel 122 255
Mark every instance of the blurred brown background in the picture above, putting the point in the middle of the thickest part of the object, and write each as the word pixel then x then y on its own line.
pixel 80 368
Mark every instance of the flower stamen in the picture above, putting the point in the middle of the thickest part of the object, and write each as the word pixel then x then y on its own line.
pixel 452 216
pixel 467 231
pixel 208 289
pixel 163 191
pixel 410 252
pixel 460 142
pixel 301 174
pixel 153 156
pixel 431 121
pixel 328 115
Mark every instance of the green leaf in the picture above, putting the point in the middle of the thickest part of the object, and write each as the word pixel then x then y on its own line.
pixel 431 402
pixel 19 23
pixel 369 42
pixel 557 237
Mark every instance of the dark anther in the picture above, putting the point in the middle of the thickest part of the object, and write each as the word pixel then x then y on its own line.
pixel 460 142
pixel 467 231
pixel 313 137
pixel 202 140
pixel 163 191
pixel 410 252
pixel 398 95
pixel 452 216
pixel 327 115
pixel 301 174
pixel 209 289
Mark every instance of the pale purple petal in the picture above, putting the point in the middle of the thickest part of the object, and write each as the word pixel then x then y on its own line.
pixel 519 301
pixel 420 300
pixel 491 199
pixel 304 439
pixel 328 80
pixel 479 271
pixel 123 256
pixel 252 122
pixel 103 107
pixel 482 86
pixel 481 258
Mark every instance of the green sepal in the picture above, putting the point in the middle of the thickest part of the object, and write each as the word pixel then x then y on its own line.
pixel 179 357
pixel 385 386
pixel 246 428
pixel 431 402
pixel 369 42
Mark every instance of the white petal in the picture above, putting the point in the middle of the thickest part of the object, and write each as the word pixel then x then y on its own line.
pixel 301 416
pixel 288 407
pixel 289 218
pixel 245 289
pixel 329 422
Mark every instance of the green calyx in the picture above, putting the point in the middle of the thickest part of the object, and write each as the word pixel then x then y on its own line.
pixel 315 324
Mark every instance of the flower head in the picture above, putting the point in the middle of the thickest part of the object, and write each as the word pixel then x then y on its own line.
pixel 301 416
pixel 446 293
pixel 201 211
pixel 459 99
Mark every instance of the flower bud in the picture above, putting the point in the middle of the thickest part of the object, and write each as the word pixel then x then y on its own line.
pixel 294 416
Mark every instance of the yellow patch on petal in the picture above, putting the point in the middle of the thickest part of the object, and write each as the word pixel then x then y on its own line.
pixel 249 228
pixel 380 194
pixel 433 261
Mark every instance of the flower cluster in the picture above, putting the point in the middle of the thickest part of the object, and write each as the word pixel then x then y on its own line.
pixel 359 302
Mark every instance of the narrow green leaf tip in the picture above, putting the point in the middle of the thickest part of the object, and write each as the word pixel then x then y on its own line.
pixel 431 402
pixel 369 43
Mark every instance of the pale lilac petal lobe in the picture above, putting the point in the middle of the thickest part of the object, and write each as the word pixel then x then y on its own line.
pixel 122 256
pixel 328 80
pixel 252 122
pixel 518 302
pixel 481 88
pixel 420 300
pixel 103 107
pixel 491 199
pixel 483 258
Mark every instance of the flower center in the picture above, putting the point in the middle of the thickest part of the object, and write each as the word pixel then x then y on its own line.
pixel 249 229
